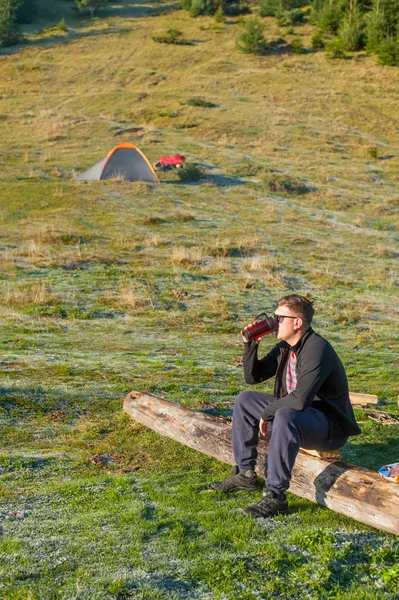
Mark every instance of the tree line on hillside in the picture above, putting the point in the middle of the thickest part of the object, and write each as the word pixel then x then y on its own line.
pixel 342 25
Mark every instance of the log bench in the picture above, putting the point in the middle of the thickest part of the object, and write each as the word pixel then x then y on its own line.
pixel 347 489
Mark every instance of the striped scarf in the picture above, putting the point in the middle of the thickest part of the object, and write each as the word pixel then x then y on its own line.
pixel 291 373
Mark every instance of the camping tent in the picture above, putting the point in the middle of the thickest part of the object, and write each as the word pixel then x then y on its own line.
pixel 124 161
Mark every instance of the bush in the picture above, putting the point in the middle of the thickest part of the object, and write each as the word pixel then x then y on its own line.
pixel 202 7
pixel 372 152
pixel 318 41
pixel 388 53
pixel 285 184
pixel 172 36
pixel 335 48
pixel 210 7
pixel 375 31
pixel 330 17
pixel 251 39
pixel 295 17
pixel 292 4
pixel 191 172
pixel 297 47
pixel 236 7
pixel 197 101
pixel 8 23
pixel 388 10
pixel 352 36
pixel 281 18
pixel 269 8
pixel 91 5
pixel 219 15
pixel 62 26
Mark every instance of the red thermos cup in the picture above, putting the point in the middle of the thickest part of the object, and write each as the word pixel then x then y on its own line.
pixel 260 328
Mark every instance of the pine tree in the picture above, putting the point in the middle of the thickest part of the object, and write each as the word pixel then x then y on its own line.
pixel 8 22
pixel 251 39
pixel 91 5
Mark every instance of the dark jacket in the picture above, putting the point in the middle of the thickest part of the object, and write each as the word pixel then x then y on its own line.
pixel 321 381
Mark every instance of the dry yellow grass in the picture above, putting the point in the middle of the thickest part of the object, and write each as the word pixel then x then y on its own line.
pixel 27 294
pixel 132 297
pixel 188 257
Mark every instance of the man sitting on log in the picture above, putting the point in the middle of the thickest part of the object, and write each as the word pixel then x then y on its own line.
pixel 310 407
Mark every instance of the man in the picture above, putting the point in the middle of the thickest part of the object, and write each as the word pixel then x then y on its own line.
pixel 310 407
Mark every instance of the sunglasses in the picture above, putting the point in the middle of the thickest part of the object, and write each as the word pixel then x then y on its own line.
pixel 280 318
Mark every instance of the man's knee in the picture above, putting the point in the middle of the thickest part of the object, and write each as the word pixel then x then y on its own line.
pixel 285 417
pixel 242 399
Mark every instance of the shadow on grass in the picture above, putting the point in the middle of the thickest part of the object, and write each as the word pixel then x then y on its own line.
pixel 25 402
pixel 372 455
pixel 219 180
pixel 137 8
pixel 132 10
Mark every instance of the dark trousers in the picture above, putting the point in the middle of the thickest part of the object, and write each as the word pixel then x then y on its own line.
pixel 290 430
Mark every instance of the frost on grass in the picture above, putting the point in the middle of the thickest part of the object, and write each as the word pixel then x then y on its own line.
pixel 51 537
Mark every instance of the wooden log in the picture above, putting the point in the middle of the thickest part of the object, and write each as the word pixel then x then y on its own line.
pixel 362 399
pixel 352 491
pixel 329 454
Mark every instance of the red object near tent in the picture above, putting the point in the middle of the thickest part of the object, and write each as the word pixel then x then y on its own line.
pixel 167 163
pixel 175 159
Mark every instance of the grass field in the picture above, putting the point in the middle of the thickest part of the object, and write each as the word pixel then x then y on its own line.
pixel 111 286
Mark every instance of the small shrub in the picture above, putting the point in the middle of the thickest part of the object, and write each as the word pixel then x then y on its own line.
pixel 191 172
pixel 219 15
pixel 295 17
pixel 210 7
pixel 293 4
pixel 330 17
pixel 202 7
pixel 251 39
pixel 318 41
pixel 234 8
pixel 375 31
pixel 9 34
pixel 372 152
pixel 281 18
pixel 62 26
pixel 388 53
pixel 335 49
pixel 197 101
pixel 186 125
pixel 91 5
pixel 352 36
pixel 285 184
pixel 172 36
pixel 269 8
pixel 297 47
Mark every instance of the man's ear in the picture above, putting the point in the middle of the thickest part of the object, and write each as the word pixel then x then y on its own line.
pixel 298 323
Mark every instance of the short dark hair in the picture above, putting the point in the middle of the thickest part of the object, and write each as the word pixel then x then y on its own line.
pixel 300 305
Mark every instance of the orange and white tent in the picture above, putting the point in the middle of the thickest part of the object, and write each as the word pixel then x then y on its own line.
pixel 124 161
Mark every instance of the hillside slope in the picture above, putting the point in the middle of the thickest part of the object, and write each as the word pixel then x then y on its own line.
pixel 111 286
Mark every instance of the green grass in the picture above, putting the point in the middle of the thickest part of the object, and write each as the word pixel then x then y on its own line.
pixel 107 287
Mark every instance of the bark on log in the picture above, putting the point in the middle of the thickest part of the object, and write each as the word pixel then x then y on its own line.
pixel 352 491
